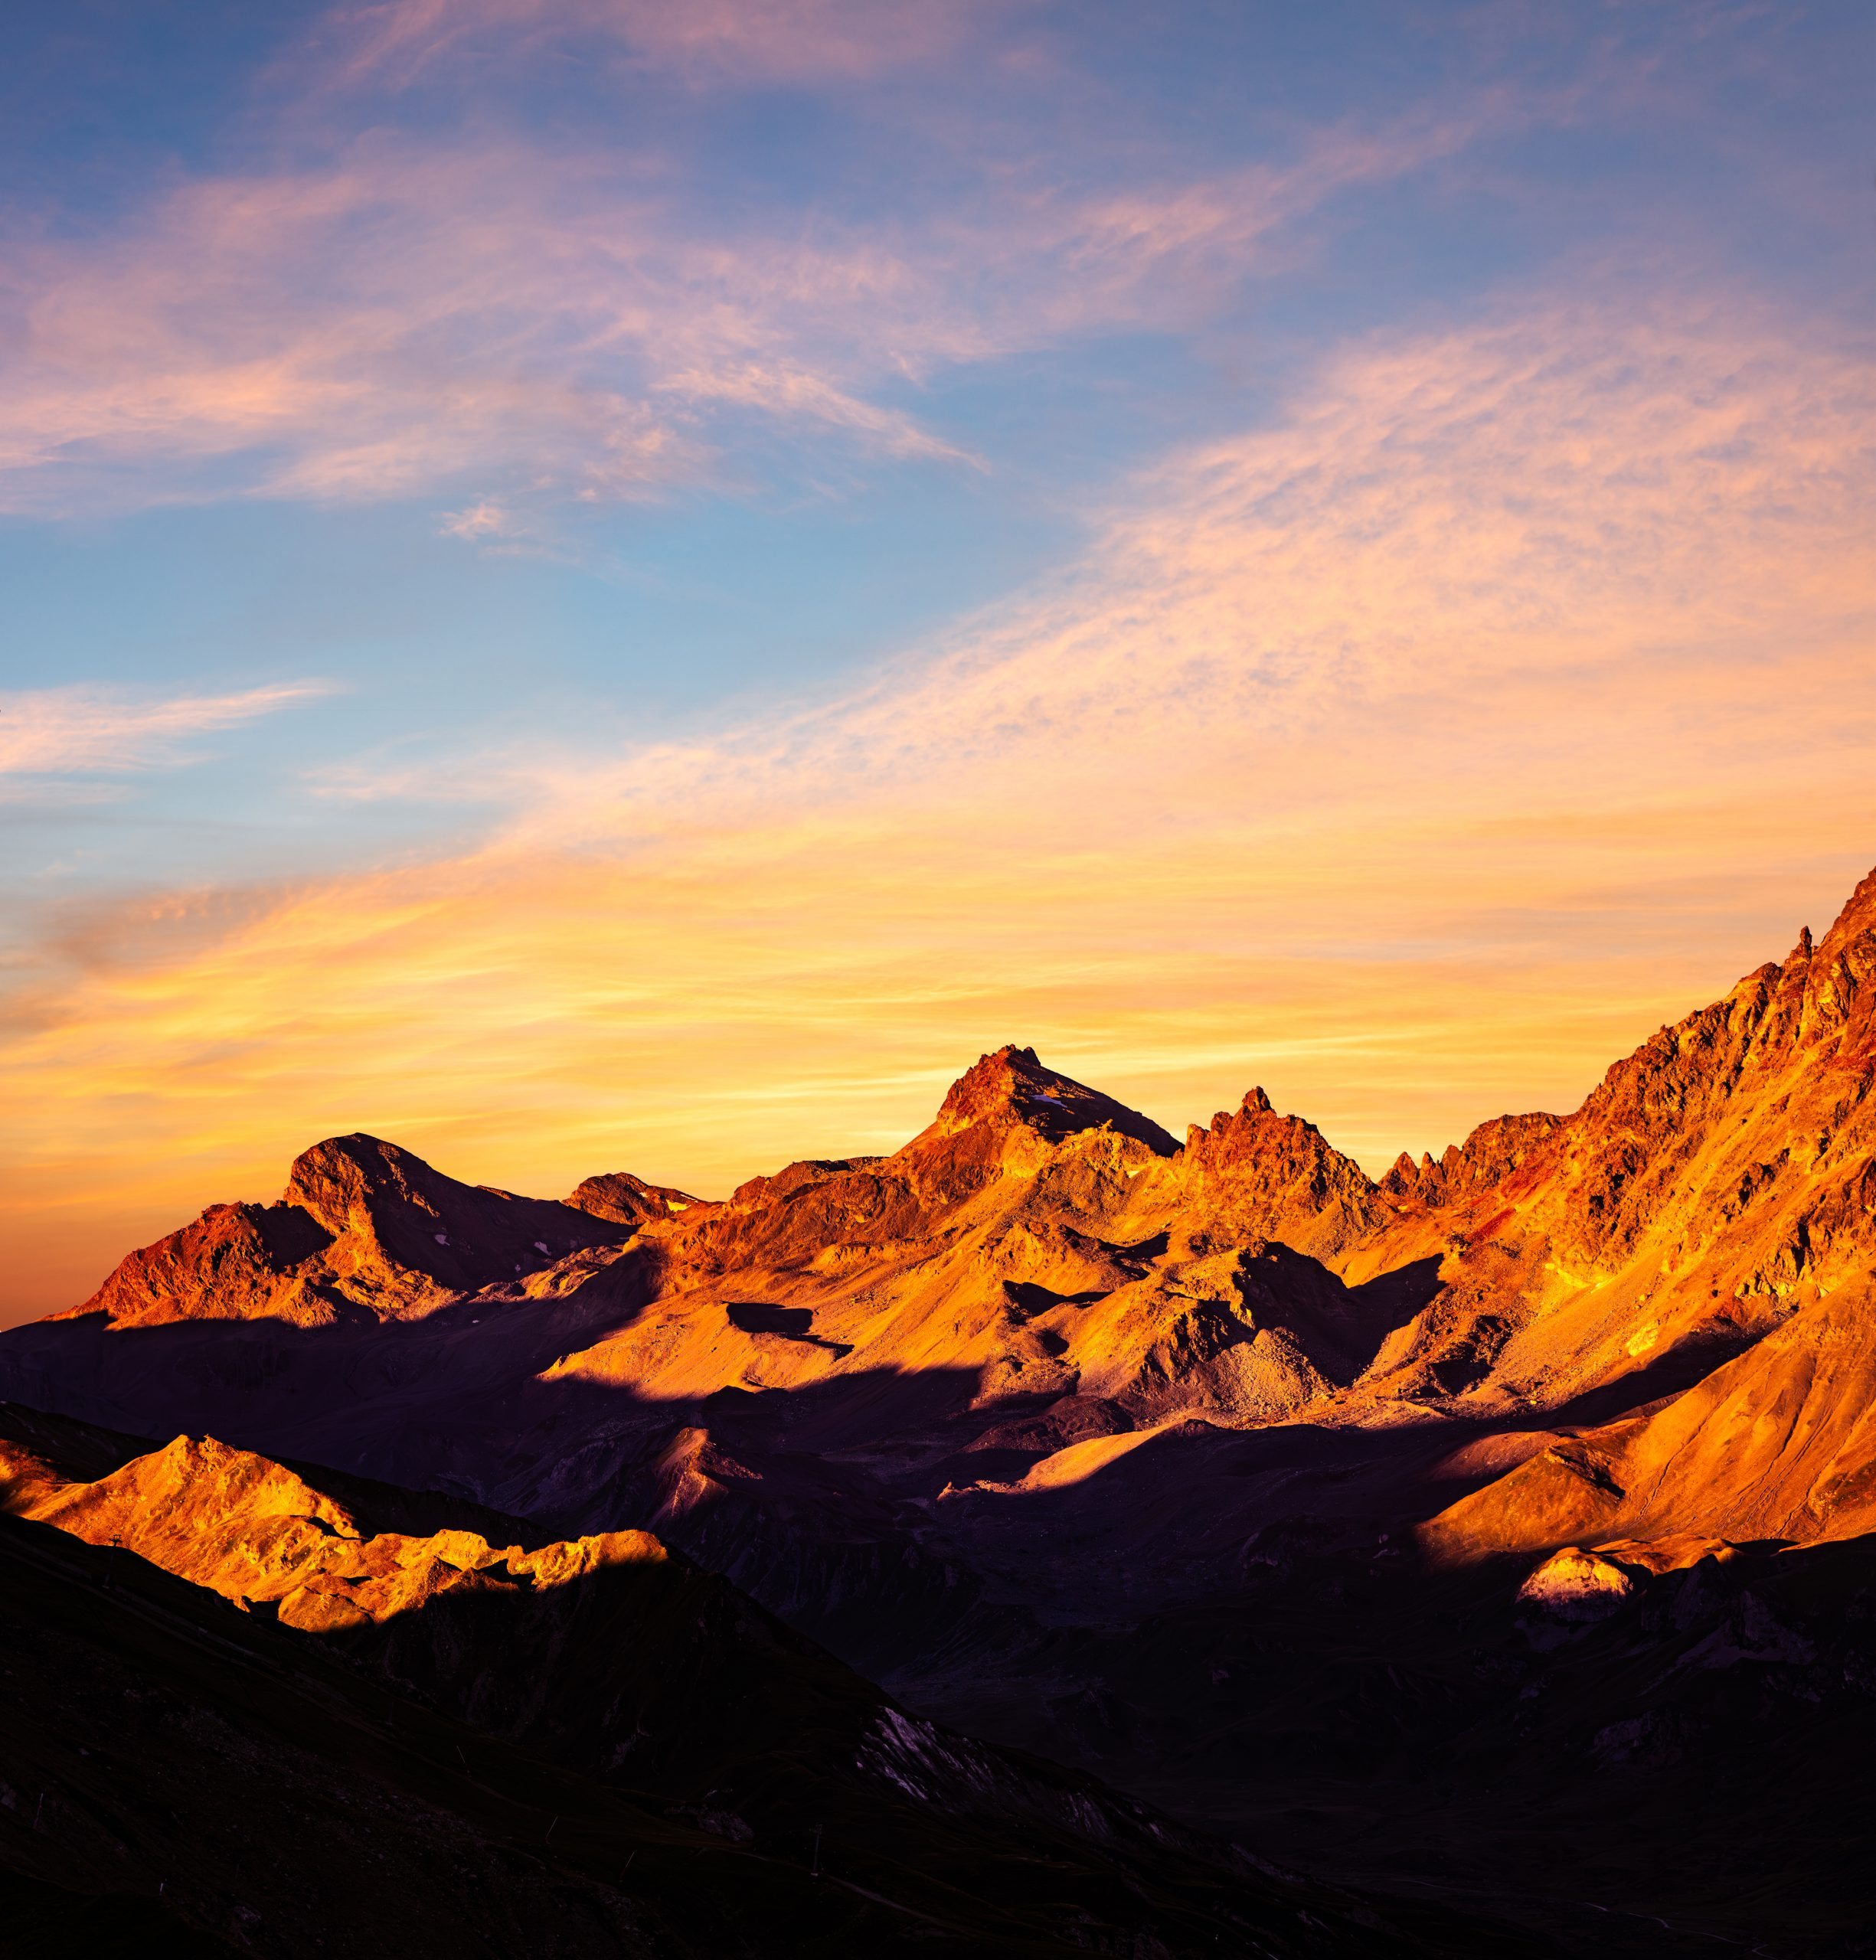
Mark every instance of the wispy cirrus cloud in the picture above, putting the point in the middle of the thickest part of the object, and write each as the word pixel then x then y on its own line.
pixel 413 318
pixel 1569 522
pixel 1378 753
pixel 766 40
pixel 1502 690
pixel 85 730
pixel 475 522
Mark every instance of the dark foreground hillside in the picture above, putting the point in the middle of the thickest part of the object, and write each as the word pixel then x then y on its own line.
pixel 1493 1537
pixel 184 1776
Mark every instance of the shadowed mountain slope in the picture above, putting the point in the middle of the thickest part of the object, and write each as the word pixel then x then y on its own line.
pixel 1044 1389
pixel 657 1712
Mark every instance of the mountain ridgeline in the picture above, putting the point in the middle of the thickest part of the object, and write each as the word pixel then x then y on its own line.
pixel 1492 1540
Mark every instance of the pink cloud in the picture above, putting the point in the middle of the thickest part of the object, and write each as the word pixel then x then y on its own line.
pixel 770 40
pixel 1377 755
pixel 1613 541
pixel 49 732
pixel 407 321
pixel 484 520
pixel 410 320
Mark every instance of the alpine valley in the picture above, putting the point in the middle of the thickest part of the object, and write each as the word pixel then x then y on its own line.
pixel 1052 1538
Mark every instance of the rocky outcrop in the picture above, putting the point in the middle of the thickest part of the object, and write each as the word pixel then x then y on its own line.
pixel 1010 1095
pixel 1488 1156
pixel 1253 1174
pixel 621 1199
pixel 364 1228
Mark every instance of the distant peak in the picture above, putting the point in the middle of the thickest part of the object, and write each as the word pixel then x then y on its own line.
pixel 1258 1104
pixel 991 1083
pixel 357 1148
pixel 624 1199
pixel 335 1176
pixel 1013 1086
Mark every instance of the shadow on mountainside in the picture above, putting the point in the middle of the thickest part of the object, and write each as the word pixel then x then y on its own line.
pixel 629 1760
pixel 1688 1755
pixel 1682 1366
pixel 1391 1299
pixel 899 1517
pixel 344 1394
pixel 878 1510
pixel 227 1787
pixel 1231 1623
pixel 791 1323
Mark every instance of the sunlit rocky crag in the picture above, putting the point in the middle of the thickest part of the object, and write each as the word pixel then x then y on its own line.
pixel 1491 1537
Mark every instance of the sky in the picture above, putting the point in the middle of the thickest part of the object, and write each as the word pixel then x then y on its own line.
pixel 587 585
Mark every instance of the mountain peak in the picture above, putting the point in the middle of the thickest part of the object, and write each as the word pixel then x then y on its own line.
pixel 387 1203
pixel 1279 1177
pixel 362 1223
pixel 1013 1087
pixel 337 1179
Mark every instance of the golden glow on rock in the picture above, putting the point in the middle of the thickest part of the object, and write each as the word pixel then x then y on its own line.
pixel 1411 757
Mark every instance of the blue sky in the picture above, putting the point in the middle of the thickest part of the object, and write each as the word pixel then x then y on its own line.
pixel 456 427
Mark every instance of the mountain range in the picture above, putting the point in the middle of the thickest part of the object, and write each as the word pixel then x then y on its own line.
pixel 1053 1537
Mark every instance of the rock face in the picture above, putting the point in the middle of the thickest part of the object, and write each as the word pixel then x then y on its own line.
pixel 621 1199
pixel 1576 1584
pixel 1778 1443
pixel 1718 1180
pixel 1256 1174
pixel 959 1410
pixel 362 1227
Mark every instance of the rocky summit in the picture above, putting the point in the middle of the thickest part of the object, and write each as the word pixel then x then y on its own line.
pixel 1051 1538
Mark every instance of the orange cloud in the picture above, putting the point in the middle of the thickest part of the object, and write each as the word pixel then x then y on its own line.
pixel 1379 755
